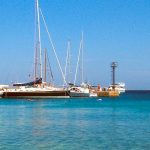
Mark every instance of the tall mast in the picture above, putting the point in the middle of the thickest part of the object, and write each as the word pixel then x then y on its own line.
pixel 39 36
pixel 82 58
pixel 35 43
pixel 35 66
pixel 67 63
pixel 45 64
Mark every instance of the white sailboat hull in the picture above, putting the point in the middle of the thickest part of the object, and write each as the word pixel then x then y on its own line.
pixel 79 92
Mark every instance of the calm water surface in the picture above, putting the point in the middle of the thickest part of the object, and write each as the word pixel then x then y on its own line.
pixel 92 124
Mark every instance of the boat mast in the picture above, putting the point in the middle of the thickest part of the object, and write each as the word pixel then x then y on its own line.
pixel 67 63
pixel 82 58
pixel 39 36
pixel 35 43
pixel 45 64
pixel 35 67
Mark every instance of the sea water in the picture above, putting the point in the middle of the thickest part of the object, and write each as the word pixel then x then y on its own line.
pixel 121 123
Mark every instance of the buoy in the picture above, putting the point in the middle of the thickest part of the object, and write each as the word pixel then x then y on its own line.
pixel 100 99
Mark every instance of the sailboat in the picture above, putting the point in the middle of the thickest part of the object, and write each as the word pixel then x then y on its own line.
pixel 83 89
pixel 36 88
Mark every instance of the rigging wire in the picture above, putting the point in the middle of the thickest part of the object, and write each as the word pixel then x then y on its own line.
pixel 50 69
pixel 50 39
pixel 78 62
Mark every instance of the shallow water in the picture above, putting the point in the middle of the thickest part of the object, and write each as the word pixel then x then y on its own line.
pixel 69 124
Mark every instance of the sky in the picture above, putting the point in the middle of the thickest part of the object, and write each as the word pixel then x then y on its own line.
pixel 114 30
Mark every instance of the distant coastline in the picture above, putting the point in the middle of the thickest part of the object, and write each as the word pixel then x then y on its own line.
pixel 145 92
pixel 137 90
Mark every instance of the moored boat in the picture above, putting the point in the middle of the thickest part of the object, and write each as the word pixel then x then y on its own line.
pixel 120 87
pixel 77 91
pixel 93 94
pixel 83 89
pixel 35 93
pixel 108 93
pixel 36 88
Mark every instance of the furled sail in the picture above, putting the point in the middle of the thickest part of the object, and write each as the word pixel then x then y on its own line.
pixel 37 81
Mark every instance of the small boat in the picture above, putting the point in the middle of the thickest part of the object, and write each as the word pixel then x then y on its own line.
pixel 120 87
pixel 83 89
pixel 79 91
pixel 93 94
pixel 108 93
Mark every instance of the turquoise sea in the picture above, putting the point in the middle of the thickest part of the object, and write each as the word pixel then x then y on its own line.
pixel 121 123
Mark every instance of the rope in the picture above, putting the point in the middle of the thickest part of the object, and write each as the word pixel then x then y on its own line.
pixel 50 39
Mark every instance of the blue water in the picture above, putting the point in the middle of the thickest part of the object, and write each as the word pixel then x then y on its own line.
pixel 77 124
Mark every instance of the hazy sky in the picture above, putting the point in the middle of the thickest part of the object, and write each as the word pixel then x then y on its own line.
pixel 114 30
